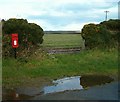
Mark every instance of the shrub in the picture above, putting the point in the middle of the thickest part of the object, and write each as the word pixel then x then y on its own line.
pixel 96 36
pixel 30 36
pixel 113 25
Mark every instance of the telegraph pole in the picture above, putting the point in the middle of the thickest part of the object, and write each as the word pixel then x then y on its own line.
pixel 106 12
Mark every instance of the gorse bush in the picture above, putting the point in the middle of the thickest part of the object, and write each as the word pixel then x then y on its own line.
pixel 114 27
pixel 29 34
pixel 101 35
pixel 95 36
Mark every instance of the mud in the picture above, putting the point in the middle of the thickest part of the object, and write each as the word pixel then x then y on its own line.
pixel 63 50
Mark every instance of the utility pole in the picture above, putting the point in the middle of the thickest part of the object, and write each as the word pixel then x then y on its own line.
pixel 106 12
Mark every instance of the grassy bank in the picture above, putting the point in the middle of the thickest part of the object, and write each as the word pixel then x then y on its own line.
pixel 62 40
pixel 48 67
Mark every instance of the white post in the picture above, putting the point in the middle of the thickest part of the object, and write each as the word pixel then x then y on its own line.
pixel 83 44
pixel 119 10
pixel 0 60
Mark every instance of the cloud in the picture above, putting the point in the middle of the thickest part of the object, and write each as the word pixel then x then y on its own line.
pixel 76 26
pixel 59 14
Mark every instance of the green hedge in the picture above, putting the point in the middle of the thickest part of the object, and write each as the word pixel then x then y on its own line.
pixel 105 34
pixel 95 36
pixel 30 35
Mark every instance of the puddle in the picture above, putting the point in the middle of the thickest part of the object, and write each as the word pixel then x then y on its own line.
pixel 60 85
pixel 68 83
pixel 77 83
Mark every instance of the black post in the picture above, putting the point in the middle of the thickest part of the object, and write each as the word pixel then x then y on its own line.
pixel 15 53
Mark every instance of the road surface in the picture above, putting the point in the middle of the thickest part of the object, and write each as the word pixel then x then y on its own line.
pixel 104 92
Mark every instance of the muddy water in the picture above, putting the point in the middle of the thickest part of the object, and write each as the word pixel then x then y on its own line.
pixel 90 80
pixel 60 85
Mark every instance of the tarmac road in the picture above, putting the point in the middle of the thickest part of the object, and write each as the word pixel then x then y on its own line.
pixel 105 92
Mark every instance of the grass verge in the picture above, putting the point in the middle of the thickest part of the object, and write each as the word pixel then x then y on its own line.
pixel 48 67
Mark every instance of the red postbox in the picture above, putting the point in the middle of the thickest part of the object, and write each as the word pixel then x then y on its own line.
pixel 15 40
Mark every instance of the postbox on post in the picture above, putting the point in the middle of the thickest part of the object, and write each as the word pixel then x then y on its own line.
pixel 15 43
pixel 15 40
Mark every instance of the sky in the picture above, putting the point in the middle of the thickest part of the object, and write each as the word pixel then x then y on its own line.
pixel 56 15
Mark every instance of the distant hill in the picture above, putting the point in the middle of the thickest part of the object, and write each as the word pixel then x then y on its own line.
pixel 62 32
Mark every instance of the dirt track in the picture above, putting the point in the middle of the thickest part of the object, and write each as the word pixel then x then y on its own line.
pixel 63 50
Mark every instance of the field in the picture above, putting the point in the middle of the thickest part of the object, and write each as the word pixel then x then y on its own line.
pixel 62 40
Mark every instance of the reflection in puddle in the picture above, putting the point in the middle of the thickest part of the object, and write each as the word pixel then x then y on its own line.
pixel 69 83
pixel 60 85
pixel 91 80
pixel 76 83
pixel 13 95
